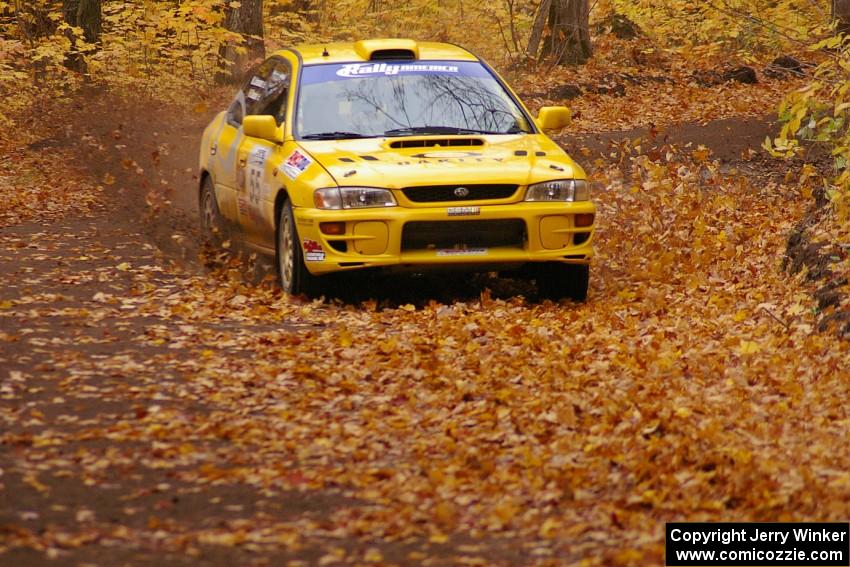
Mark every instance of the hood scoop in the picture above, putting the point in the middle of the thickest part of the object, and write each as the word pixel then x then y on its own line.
pixel 432 142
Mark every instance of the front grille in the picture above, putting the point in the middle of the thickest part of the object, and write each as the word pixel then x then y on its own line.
pixel 444 193
pixel 426 235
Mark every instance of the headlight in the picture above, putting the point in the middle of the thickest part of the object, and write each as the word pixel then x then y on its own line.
pixel 352 198
pixel 560 190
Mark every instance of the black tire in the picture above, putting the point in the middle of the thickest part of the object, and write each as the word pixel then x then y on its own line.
pixel 557 281
pixel 213 227
pixel 292 273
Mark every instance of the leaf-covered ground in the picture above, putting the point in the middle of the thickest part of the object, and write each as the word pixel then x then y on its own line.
pixel 154 413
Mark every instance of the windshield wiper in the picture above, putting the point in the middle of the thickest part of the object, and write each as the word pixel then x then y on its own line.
pixel 413 130
pixel 334 136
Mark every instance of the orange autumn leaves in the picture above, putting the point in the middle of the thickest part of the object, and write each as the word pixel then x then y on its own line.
pixel 671 394
pixel 691 386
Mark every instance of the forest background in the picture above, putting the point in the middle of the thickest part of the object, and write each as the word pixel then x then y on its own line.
pixel 672 52
pixel 159 410
pixel 180 50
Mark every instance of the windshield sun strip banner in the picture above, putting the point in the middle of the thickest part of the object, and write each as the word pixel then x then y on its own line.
pixel 314 74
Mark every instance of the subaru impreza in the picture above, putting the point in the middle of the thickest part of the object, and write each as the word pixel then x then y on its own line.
pixel 392 154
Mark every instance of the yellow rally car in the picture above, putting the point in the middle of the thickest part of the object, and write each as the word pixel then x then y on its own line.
pixel 391 153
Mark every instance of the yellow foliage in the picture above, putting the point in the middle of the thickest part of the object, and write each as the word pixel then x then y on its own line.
pixel 181 42
pixel 818 114
pixel 744 27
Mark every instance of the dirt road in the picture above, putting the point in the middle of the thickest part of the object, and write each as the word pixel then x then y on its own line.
pixel 156 413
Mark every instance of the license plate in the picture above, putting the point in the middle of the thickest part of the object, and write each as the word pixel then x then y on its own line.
pixel 464 211
pixel 462 252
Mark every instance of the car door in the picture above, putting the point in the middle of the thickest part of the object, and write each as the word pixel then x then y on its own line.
pixel 267 95
pixel 223 146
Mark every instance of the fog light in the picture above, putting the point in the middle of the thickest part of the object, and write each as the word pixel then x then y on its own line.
pixel 334 228
pixel 585 219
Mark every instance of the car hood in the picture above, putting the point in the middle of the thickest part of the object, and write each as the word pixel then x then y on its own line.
pixel 397 162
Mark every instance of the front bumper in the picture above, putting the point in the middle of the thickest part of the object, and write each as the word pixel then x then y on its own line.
pixel 374 238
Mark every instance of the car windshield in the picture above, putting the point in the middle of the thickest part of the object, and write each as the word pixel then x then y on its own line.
pixel 404 98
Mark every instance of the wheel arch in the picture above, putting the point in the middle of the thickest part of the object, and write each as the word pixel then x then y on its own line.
pixel 279 200
pixel 202 178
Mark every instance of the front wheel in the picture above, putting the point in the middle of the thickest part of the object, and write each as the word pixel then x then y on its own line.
pixel 293 275
pixel 558 281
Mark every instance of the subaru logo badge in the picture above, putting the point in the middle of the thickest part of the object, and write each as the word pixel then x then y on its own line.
pixel 461 192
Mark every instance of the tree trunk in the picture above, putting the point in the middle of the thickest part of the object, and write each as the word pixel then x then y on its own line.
pixel 841 13
pixel 537 29
pixel 569 32
pixel 89 18
pixel 247 21
pixel 86 15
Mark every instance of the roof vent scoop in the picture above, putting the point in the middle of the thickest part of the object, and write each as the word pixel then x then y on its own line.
pixel 387 49
pixel 392 55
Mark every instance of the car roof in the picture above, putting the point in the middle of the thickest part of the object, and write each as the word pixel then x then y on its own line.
pixel 315 53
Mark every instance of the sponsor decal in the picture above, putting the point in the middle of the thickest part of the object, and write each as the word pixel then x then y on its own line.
pixel 257 157
pixel 463 211
pixel 295 164
pixel 440 158
pixel 314 74
pixel 254 95
pixel 277 80
pixel 254 182
pixel 462 252
pixel 446 155
pixel 313 251
pixel 257 88
pixel 365 69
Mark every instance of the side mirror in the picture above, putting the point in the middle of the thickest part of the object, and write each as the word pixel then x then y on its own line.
pixel 263 127
pixel 554 117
